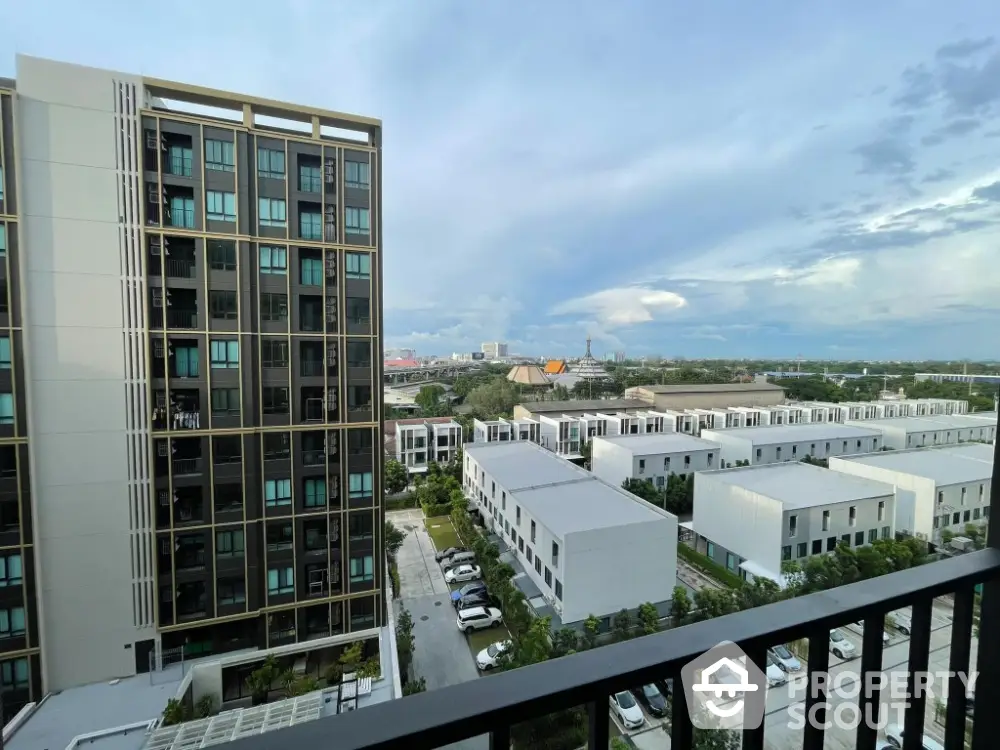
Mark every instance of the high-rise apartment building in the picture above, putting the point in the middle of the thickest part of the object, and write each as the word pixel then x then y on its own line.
pixel 494 349
pixel 200 279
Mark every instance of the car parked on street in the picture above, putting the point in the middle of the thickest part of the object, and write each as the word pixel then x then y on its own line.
pixel 489 657
pixel 785 659
pixel 859 627
pixel 651 697
pixel 446 553
pixel 475 587
pixel 479 618
pixel 901 619
pixel 463 573
pixel 894 736
pixel 475 599
pixel 464 556
pixel 840 646
pixel 627 710
pixel 775 674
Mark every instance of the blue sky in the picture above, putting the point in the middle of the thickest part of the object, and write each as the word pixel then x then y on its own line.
pixel 697 179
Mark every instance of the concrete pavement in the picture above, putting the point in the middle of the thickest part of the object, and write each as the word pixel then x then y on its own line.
pixel 419 573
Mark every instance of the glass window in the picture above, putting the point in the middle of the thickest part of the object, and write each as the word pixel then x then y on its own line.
pixel 280 581
pixel 3 232
pixel 356 221
pixel 273 353
pixel 356 174
pixel 6 408
pixel 311 271
pixel 360 485
pixel 222 255
pixel 11 622
pixel 182 212
pixel 315 493
pixel 1 183
pixel 359 354
pixel 10 570
pixel 362 568
pixel 229 543
pixel 277 492
pixel 274 307
pixel 271 163
pixel 225 354
pixel 225 401
pixel 180 161
pixel 4 352
pixel 186 362
pixel 232 591
pixel 274 400
pixel 359 266
pixel 219 155
pixel 222 304
pixel 14 674
pixel 220 206
pixel 310 179
pixel 310 225
pixel 271 212
pixel 273 260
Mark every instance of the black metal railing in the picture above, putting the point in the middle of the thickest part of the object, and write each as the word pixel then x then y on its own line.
pixel 180 268
pixel 183 319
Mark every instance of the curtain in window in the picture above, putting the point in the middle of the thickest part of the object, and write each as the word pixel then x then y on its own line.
pixel 5 353
pixel 6 408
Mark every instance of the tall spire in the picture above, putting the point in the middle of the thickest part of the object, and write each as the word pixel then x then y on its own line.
pixel 588 346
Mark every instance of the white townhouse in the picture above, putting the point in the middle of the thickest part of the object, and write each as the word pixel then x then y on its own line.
pixel 778 443
pixel 653 457
pixel 941 429
pixel 421 442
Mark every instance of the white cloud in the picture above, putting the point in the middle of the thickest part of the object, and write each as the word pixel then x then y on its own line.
pixel 623 306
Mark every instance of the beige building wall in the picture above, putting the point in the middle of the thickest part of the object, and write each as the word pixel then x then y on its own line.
pixel 680 400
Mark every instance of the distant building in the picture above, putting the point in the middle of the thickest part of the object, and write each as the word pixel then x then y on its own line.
pixel 400 354
pixel 589 368
pixel 555 367
pixel 494 349
pixel 416 443
pixel 922 432
pixel 793 442
pixel 654 457
pixel 708 396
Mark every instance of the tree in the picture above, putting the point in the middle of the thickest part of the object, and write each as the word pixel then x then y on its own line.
pixel 560 393
pixel 643 488
pixel 585 453
pixel 394 477
pixel 393 539
pixel 591 633
pixel 454 467
pixel 565 641
pixel 621 625
pixel 429 397
pixel 648 619
pixel 491 399
pixel 260 682
pixel 680 606
pixel 711 603
pixel 715 739
pixel 413 687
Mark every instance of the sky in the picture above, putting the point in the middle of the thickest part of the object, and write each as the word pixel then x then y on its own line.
pixel 720 179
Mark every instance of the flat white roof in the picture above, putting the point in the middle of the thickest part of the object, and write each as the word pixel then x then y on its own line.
pixel 933 423
pixel 561 496
pixel 799 485
pixel 948 464
pixel 795 433
pixel 664 442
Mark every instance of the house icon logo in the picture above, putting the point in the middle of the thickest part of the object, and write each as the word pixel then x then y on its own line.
pixel 724 689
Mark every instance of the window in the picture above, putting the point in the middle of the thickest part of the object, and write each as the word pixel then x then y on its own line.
pixel 273 353
pixel 817 546
pixel 273 260
pixel 311 271
pixel 310 179
pixel 793 525
pixel 529 554
pixel 873 535
pixel 186 362
pixel 222 255
pixel 11 622
pixel 360 527
pixel 831 544
pixel 558 589
pixel 360 485
pixel 758 452
pixel 274 307
pixel 548 578
pixel 219 155
pixel 280 581
pixel 182 212
pixel 963 495
pixel 731 561
pixel 315 493
pixel 885 532
pixel 359 354
pixel 277 492
pixel 271 163
pixel 271 212
pixel 362 568
pixel 940 497
pixel 277 446
pixel 6 408
pixel 520 544
pixel 359 397
pixel 231 591
pixel 229 543
pixel 279 537
pixel 538 565
pixel 359 265
pixel 274 400
pixel 3 227
pixel 356 174
pixel 852 516
pixel 642 466
pixel 220 206
pixel 555 555
pixel 826 520
pixel 1 183
pixel 362 613
pixel 786 553
pixel 14 674
pixel 310 225
pixel 517 515
pixel 222 304
pixel 10 570
pixel 180 160
pixel 4 352
pixel 881 510
pixel 225 354
pixel 802 550
pixel 225 401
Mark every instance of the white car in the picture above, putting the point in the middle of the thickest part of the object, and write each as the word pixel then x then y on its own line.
pixel 478 618
pixel 860 627
pixel 627 710
pixel 775 674
pixel 489 657
pixel 840 646
pixel 785 659
pixel 902 621
pixel 894 736
pixel 463 573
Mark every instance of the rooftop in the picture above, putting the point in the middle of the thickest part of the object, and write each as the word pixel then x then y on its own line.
pixel 664 442
pixel 712 388
pixel 948 464
pixel 563 497
pixel 527 375
pixel 798 485
pixel 792 433
pixel 935 422
pixel 593 405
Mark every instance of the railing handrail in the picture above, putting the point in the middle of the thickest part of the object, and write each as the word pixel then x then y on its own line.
pixel 450 714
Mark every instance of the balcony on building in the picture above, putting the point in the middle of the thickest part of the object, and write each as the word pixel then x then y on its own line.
pixel 179 260
pixel 183 506
pixel 317 542
pixel 312 361
pixel 311 400
pixel 311 313
pixel 313 449
pixel 177 308
pixel 185 457
pixel 281 628
pixel 189 552
pixel 330 223
pixel 228 501
pixel 191 601
pixel 181 411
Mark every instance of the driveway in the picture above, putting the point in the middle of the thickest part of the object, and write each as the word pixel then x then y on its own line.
pixel 419 573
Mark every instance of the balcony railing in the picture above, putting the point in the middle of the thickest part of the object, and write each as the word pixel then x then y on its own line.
pixel 180 268
pixel 491 706
pixel 182 319
pixel 184 466
pixel 313 457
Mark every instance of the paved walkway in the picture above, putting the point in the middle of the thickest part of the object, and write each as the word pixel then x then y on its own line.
pixel 419 573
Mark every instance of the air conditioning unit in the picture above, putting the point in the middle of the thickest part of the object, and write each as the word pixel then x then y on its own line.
pixel 154 194
pixel 151 140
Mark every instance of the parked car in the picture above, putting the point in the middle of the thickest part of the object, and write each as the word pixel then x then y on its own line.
pixel 666 687
pixel 463 573
pixel 475 599
pixel 894 736
pixel 840 646
pixel 651 697
pixel 489 657
pixel 901 619
pixel 785 659
pixel 479 618
pixel 627 710
pixel 860 627
pixel 475 587
pixel 775 674
pixel 464 556
pixel 446 553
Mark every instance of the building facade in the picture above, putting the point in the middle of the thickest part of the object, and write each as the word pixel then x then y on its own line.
pixel 710 396
pixel 777 443
pixel 922 432
pixel 203 369
pixel 493 350
pixel 420 442
pixel 654 457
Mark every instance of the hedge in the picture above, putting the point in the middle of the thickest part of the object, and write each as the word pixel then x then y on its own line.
pixel 433 511
pixel 401 503
pixel 709 567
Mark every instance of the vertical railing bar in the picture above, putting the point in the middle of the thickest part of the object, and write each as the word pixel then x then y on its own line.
pixel 599 724
pixel 753 737
pixel 959 666
pixel 681 729
pixel 500 738
pixel 916 689
pixel 869 702
pixel 816 689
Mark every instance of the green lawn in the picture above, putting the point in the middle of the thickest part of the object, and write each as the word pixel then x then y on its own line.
pixel 442 532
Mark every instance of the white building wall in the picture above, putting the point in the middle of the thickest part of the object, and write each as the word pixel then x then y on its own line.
pixel 873 519
pixel 745 523
pixel 610 462
pixel 738 448
pixel 84 291
pixel 900 437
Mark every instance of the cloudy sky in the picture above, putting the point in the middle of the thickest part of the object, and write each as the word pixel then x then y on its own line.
pixel 701 179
